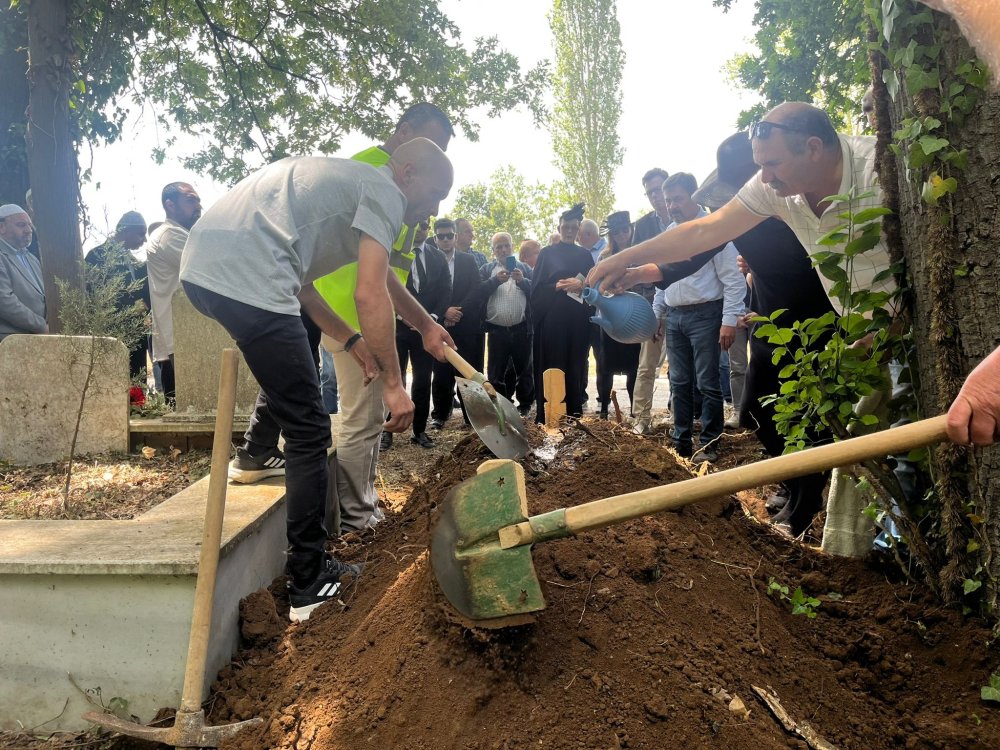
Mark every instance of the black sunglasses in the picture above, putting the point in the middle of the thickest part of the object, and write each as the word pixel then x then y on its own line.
pixel 763 129
pixel 446 236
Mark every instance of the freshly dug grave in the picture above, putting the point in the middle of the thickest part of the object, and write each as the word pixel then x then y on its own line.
pixel 652 628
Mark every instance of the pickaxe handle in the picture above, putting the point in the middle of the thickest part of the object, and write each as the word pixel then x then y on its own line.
pixel 610 510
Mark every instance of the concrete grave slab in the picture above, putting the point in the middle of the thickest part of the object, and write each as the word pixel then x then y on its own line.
pixel 41 381
pixel 198 345
pixel 106 605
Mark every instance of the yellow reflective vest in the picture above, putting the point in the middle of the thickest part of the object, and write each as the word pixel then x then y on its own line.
pixel 338 287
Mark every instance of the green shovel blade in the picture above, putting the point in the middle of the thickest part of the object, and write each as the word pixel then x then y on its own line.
pixel 481 580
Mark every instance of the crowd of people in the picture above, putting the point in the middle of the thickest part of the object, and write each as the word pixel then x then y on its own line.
pixel 313 261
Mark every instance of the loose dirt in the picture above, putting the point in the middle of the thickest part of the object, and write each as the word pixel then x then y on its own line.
pixel 652 629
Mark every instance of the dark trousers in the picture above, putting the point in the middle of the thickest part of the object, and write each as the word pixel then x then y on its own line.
pixel 693 351
pixel 510 347
pixel 277 351
pixel 805 494
pixel 410 348
pixel 167 379
pixel 606 381
pixel 443 388
pixel 137 359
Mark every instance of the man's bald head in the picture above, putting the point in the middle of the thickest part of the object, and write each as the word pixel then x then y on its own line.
pixel 424 175
pixel 801 122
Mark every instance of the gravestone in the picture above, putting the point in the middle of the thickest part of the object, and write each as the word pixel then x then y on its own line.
pixel 41 382
pixel 198 345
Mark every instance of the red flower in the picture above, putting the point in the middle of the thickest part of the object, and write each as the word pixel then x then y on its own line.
pixel 136 396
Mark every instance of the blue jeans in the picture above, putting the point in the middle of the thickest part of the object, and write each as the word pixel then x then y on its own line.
pixel 693 352
pixel 328 381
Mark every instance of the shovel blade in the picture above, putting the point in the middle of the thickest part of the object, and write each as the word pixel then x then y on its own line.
pixel 496 421
pixel 481 580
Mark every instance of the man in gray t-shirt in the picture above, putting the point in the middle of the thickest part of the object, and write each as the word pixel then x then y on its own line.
pixel 249 264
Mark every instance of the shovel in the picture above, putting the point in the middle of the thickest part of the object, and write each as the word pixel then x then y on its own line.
pixel 492 416
pixel 481 546
pixel 189 729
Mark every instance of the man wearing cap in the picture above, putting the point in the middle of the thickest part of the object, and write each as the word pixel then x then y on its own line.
pixel 652 352
pixel 182 207
pixel 130 234
pixel 22 293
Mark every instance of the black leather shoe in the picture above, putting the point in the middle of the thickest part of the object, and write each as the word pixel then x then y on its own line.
pixel 437 424
pixel 423 440
pixel 385 442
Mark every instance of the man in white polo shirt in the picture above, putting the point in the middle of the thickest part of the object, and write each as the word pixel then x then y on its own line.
pixel 803 161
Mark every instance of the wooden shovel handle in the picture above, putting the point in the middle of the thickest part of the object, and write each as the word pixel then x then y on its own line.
pixel 215 508
pixel 468 371
pixel 611 510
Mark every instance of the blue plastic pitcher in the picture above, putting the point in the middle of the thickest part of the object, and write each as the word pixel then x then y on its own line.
pixel 627 317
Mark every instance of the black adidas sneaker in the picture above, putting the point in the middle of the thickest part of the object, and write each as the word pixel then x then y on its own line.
pixel 247 469
pixel 329 584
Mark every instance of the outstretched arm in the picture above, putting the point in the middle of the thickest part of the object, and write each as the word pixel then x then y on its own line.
pixel 680 243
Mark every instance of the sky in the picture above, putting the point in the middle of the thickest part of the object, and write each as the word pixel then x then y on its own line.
pixel 677 106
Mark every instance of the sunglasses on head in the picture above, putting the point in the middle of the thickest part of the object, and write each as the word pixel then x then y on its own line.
pixel 446 236
pixel 763 129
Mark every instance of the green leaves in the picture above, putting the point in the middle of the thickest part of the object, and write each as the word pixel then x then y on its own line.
pixel 991 692
pixel 588 96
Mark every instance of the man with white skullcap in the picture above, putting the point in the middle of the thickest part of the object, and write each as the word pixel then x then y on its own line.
pixel 22 293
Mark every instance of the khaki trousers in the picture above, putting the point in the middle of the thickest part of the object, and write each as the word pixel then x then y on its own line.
pixel 651 356
pixel 362 414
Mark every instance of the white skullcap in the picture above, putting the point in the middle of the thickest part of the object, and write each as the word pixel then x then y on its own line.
pixel 9 209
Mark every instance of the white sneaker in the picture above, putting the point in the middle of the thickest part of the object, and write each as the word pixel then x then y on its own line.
pixel 733 422
pixel 642 427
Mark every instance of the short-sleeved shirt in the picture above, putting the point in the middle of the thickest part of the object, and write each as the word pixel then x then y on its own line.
pixel 859 175
pixel 288 224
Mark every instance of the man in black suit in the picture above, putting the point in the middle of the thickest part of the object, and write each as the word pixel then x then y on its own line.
pixel 463 319
pixel 430 283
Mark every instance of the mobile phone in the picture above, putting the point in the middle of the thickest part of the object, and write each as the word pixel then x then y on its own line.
pixel 511 262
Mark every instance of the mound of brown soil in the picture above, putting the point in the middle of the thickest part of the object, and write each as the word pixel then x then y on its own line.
pixel 652 629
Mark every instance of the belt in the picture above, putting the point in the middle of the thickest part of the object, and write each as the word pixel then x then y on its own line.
pixel 495 327
pixel 697 304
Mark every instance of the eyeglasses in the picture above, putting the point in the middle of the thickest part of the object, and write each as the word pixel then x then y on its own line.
pixel 763 129
pixel 445 236
pixel 502 245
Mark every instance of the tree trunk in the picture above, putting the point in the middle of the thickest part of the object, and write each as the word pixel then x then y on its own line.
pixel 13 103
pixel 951 256
pixel 51 156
